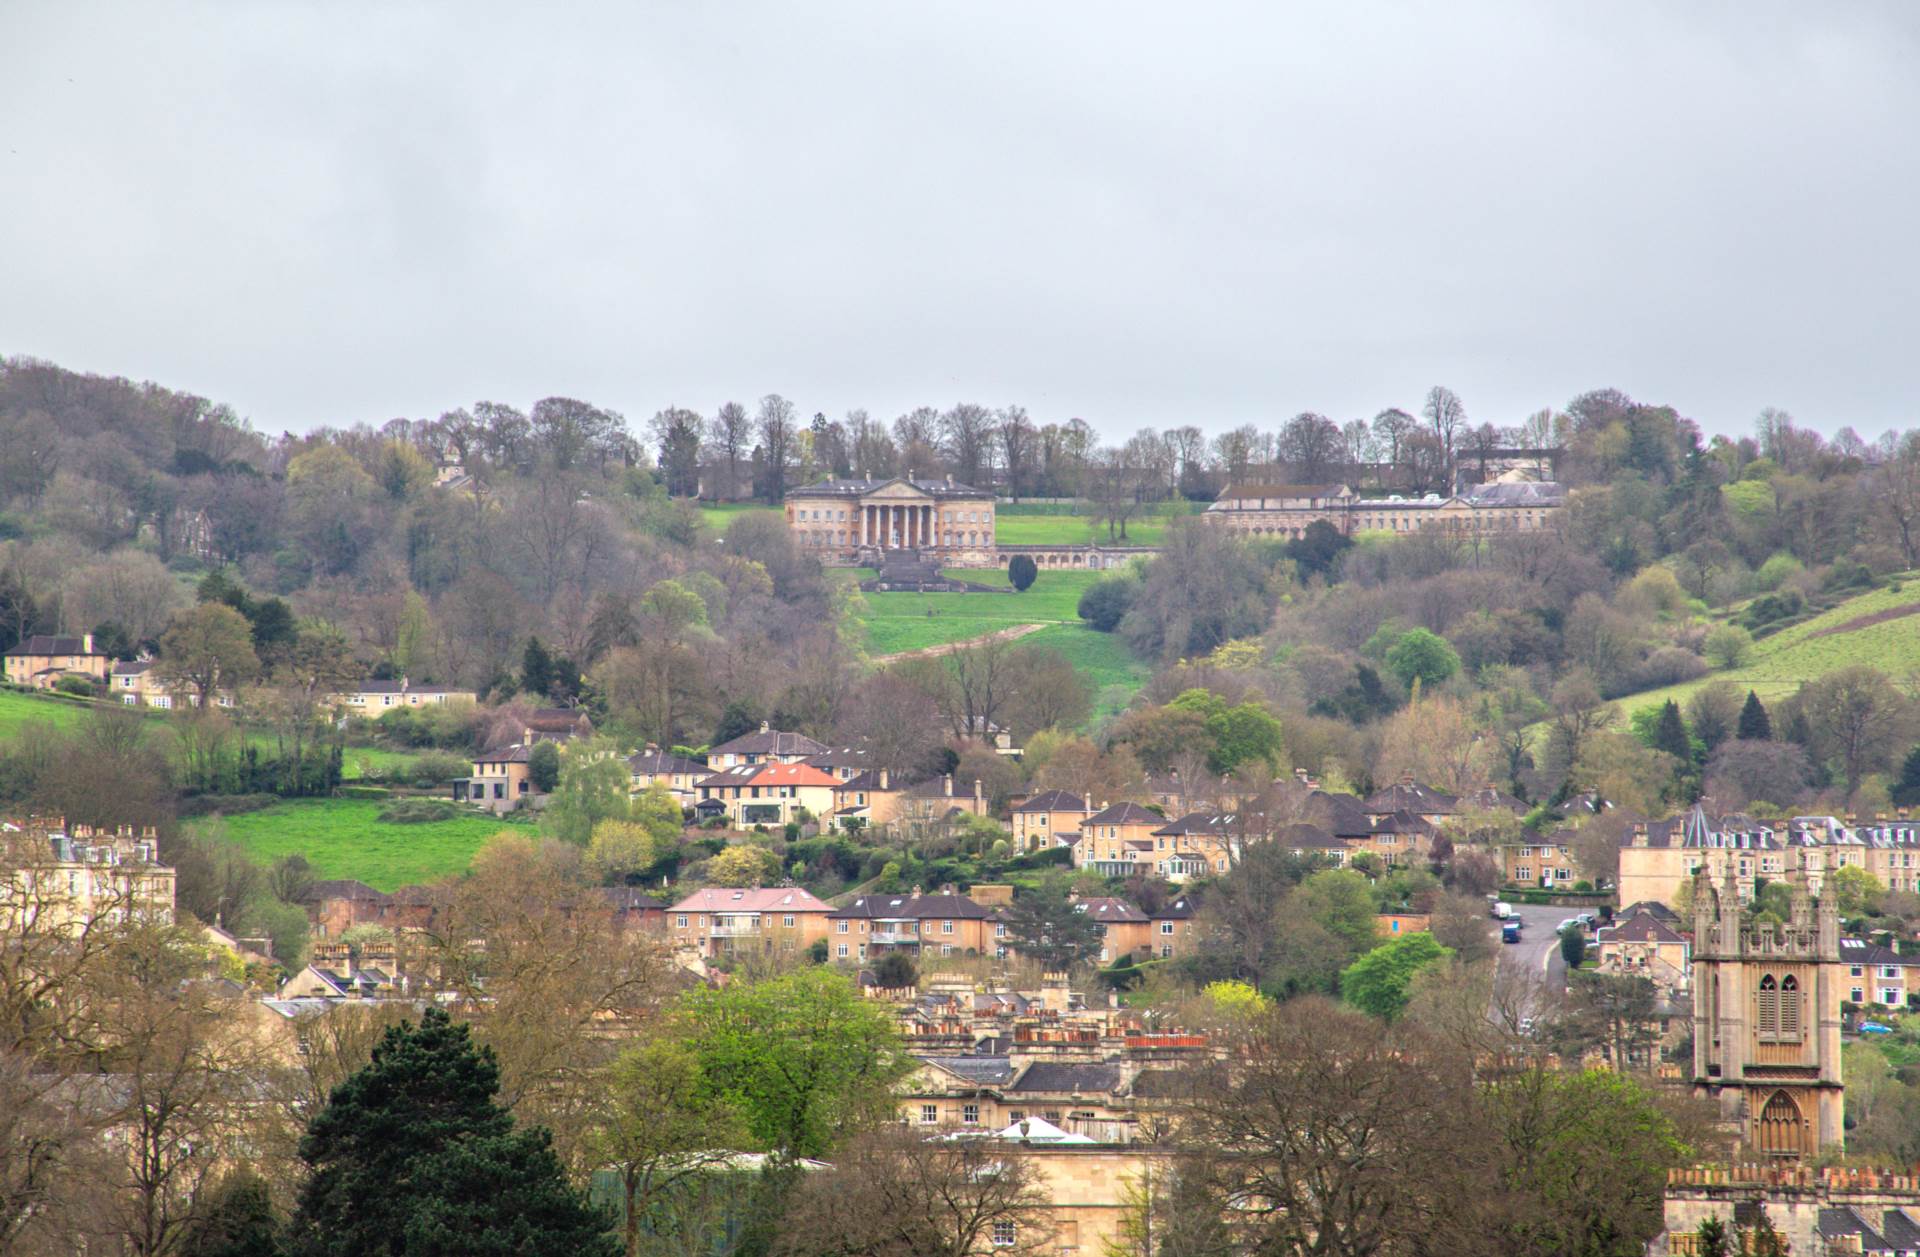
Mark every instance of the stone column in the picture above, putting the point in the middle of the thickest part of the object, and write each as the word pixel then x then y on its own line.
pixel 926 524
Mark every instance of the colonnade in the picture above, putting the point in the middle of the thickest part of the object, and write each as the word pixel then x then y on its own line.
pixel 899 527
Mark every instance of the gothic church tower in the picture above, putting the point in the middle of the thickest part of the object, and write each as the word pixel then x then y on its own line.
pixel 1766 1015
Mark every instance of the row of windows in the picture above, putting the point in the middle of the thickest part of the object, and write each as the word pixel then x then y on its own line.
pixel 818 540
pixel 822 515
pixel 680 921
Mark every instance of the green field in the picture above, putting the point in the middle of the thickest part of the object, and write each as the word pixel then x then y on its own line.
pixel 19 709
pixel 1778 665
pixel 346 838
pixel 719 515
pixel 1017 525
pixel 896 622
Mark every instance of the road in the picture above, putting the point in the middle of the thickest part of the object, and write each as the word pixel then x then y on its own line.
pixel 1538 951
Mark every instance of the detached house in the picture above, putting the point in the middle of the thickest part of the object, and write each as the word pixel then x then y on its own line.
pixel 722 919
pixel 945 924
pixel 1171 931
pixel 769 745
pixel 133 682
pixel 1126 930
pixel 373 699
pixel 679 775
pixel 501 779
pixel 1049 819
pixel 767 793
pixel 1879 975
pixel 39 661
pixel 1117 840
pixel 1193 846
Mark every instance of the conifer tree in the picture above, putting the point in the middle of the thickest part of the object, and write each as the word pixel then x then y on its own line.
pixel 1670 735
pixel 412 1155
pixel 1755 724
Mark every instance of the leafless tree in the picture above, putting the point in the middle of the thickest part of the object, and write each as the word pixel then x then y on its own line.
pixel 731 431
pixel 1016 435
pixel 777 427
pixel 900 1192
pixel 1445 416
pixel 1115 491
pixel 968 431
pixel 1311 443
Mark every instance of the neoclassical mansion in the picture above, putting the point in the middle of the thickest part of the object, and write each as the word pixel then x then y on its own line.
pixel 947 522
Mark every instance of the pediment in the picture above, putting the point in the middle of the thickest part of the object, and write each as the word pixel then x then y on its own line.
pixel 898 491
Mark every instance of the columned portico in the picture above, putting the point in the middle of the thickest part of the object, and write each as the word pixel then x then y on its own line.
pixel 846 521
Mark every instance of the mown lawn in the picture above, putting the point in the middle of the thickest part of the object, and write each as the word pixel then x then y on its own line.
pixel 719 515
pixel 904 621
pixel 346 838
pixel 1780 663
pixel 1044 526
pixel 897 622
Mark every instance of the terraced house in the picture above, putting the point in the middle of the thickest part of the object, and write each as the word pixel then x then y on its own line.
pixel 944 924
pixel 722 919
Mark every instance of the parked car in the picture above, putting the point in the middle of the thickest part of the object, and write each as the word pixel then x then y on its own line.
pixel 1568 924
pixel 1510 932
pixel 1874 1027
pixel 1501 911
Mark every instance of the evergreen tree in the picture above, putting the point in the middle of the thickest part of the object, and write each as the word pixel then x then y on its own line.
pixel 1755 724
pixel 736 721
pixel 1906 791
pixel 536 669
pixel 239 1221
pixel 1670 735
pixel 412 1155
pixel 1048 927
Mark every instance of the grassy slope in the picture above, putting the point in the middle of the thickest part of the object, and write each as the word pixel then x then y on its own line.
pixel 900 621
pixel 346 838
pixel 718 516
pixel 1779 663
pixel 19 709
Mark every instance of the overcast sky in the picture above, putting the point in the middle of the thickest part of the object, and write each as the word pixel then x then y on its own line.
pixel 1151 214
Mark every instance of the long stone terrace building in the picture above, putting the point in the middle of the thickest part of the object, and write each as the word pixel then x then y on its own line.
pixel 1286 510
pixel 851 521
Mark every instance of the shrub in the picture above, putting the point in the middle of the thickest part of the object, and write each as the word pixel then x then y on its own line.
pixel 1424 656
pixel 1669 665
pixel 1105 602
pixel 418 811
pixel 1022 572
pixel 1727 646
pixel 543 766
pixel 436 767
pixel 78 686
pixel 1769 608
pixel 1775 572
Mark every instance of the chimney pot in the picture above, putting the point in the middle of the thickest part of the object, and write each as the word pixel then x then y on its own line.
pixel 763 726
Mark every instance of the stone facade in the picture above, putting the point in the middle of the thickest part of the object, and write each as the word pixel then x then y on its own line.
pixel 1832 1210
pixel 851 522
pixel 1766 1001
pixel 1285 511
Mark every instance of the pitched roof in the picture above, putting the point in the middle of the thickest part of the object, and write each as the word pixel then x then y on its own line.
pixel 1053 801
pixel 792 775
pixel 1402 822
pixel 989 1070
pixel 402 686
pixel 515 754
pixel 860 488
pixel 767 741
pixel 754 899
pixel 1642 927
pixel 1107 908
pixel 131 667
pixel 944 786
pixel 1411 796
pixel 1855 951
pixel 1254 489
pixel 46 644
pixel 1125 813
pixel 842 757
pixel 1301 836
pixel 662 762
pixel 1191 823
pixel 1066 1076
pixel 911 908
pixel 1179 909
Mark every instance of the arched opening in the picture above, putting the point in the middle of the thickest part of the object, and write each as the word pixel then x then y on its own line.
pixel 1789 1007
pixel 1766 1013
pixel 1779 1127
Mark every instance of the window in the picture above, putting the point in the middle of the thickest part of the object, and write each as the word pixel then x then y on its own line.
pixel 680 922
pixel 1767 1007
pixel 1890 995
pixel 841 951
pixel 1857 971
pixel 970 1115
pixel 1857 996
pixel 946 927
pixel 1166 927
pixel 787 920
pixel 1889 971
pixel 1005 1235
pixel 929 1114
pixel 946 949
pixel 1017 1115
pixel 1166 951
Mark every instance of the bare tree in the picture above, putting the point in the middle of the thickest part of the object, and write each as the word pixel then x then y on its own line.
pixel 899 1192
pixel 1016 435
pixel 1115 491
pixel 1445 416
pixel 1311 443
pixel 1895 490
pixel 968 432
pixel 777 428
pixel 732 432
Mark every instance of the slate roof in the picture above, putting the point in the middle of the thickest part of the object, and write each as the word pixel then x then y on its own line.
pixel 910 908
pixel 400 687
pixel 1254 489
pixel 1402 822
pixel 1642 927
pixel 1191 823
pixel 1125 814
pixel 1411 796
pixel 1180 909
pixel 1518 493
pixel 1107 908
pixel 1304 837
pixel 1064 1076
pixel 515 754
pixel 1855 951
pixel 46 644
pixel 769 742
pixel 860 488
pixel 1053 801
pixel 662 762
pixel 946 786
pixel 992 1071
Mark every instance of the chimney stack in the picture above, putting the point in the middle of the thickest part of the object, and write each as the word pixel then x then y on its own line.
pixel 86 643
pixel 763 726
pixel 883 778
pixel 949 785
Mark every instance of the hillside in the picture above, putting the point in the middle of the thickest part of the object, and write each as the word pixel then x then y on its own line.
pixel 1880 627
pixel 896 622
